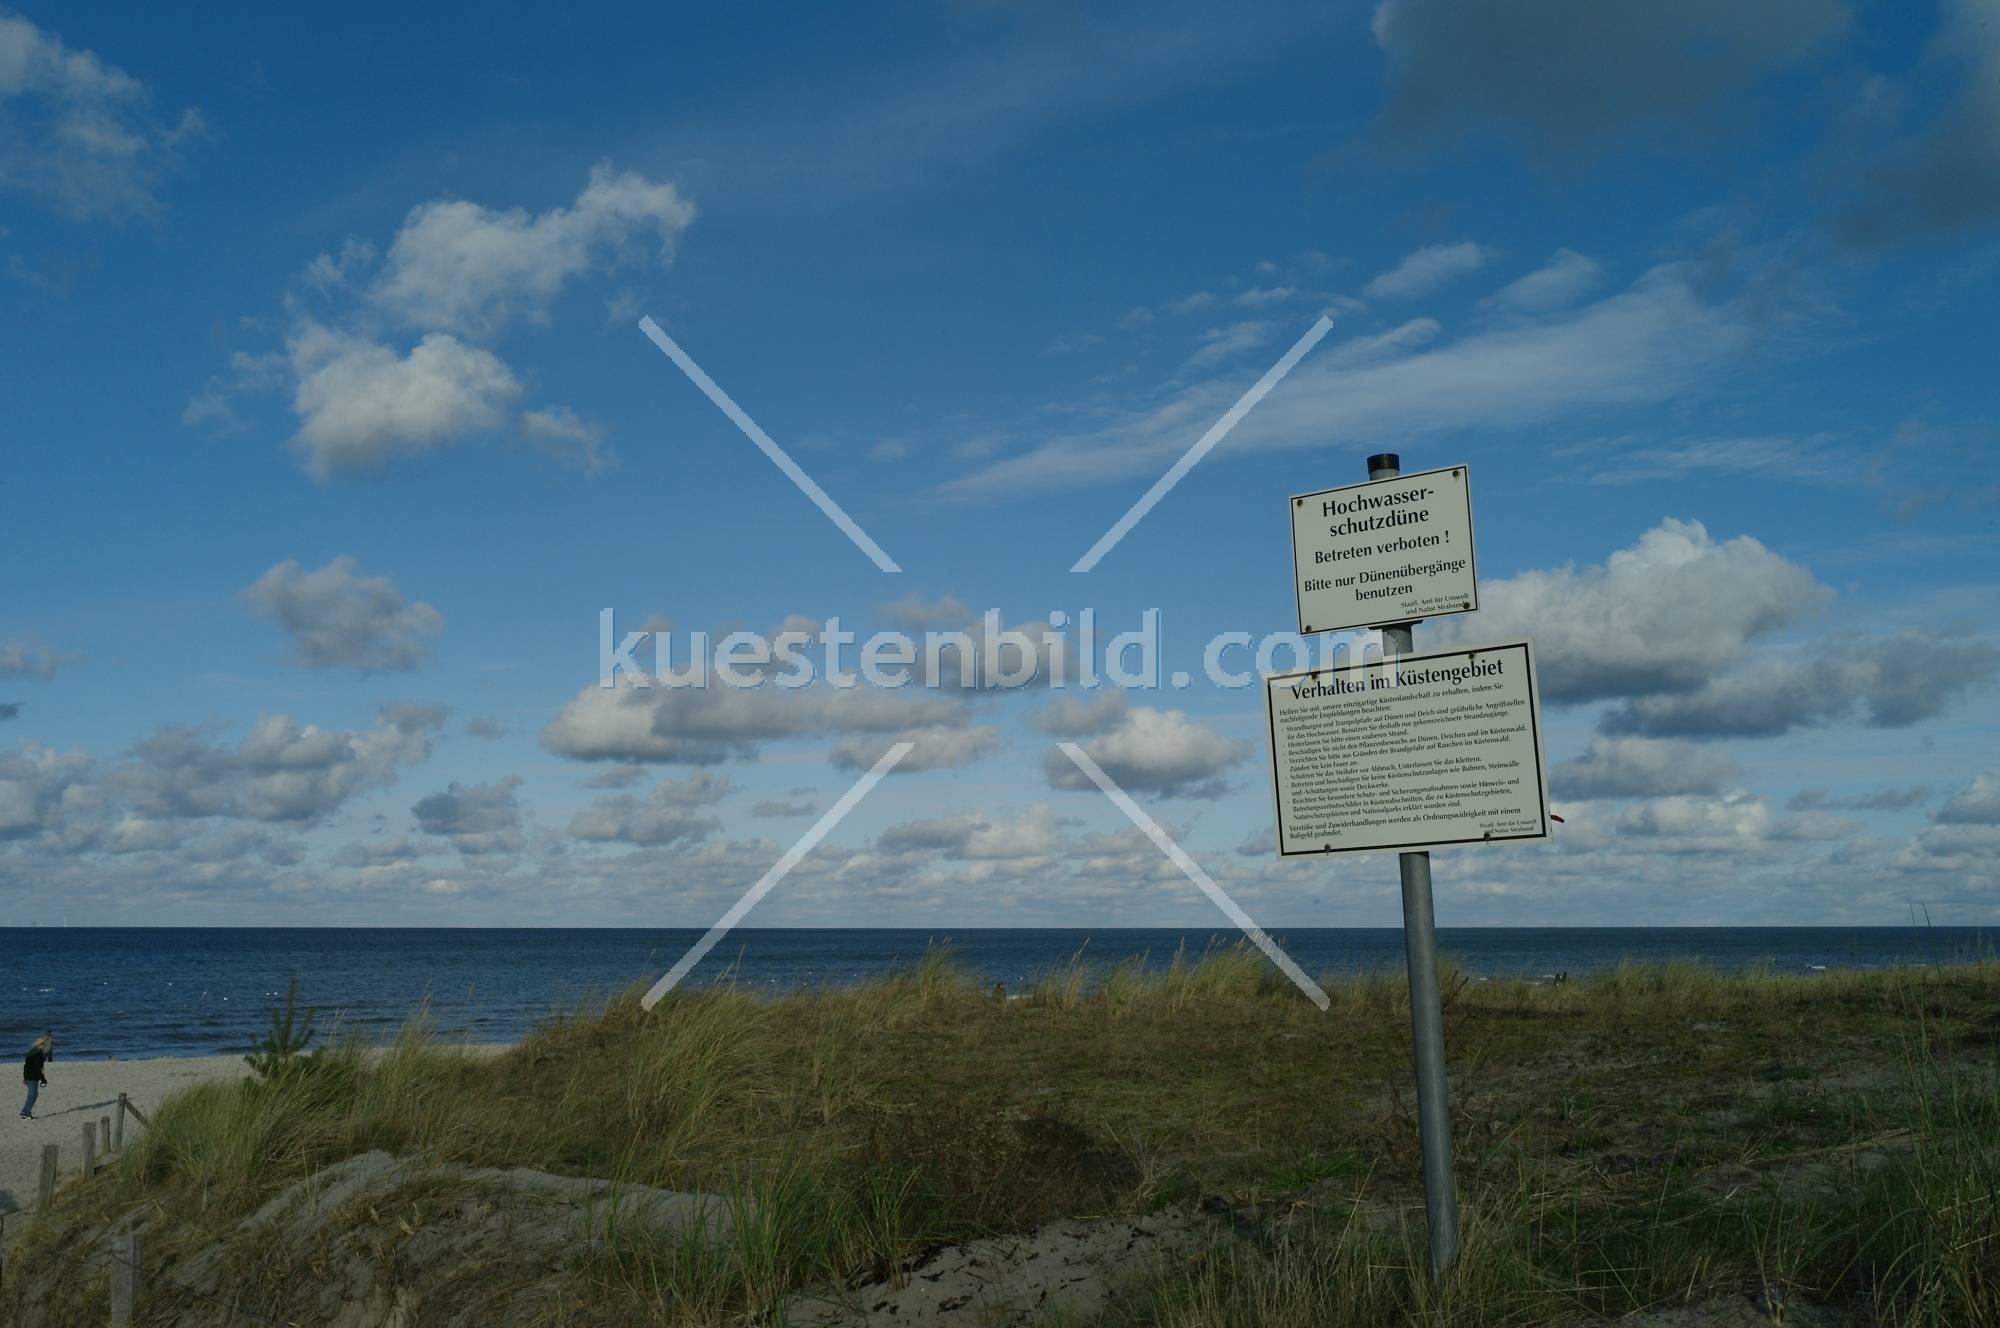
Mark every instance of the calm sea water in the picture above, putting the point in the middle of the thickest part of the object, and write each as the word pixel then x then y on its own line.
pixel 195 991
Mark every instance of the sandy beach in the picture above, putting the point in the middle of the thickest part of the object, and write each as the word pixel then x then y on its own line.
pixel 80 1091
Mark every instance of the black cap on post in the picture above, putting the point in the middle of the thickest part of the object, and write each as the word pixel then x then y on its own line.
pixel 1384 461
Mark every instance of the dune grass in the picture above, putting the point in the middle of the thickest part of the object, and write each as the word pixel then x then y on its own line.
pixel 1635 1139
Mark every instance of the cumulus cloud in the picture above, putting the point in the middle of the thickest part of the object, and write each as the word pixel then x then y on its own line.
pixel 1567 277
pixel 1885 682
pixel 1976 804
pixel 1643 768
pixel 1568 74
pixel 281 771
pixel 477 818
pixel 704 725
pixel 1875 800
pixel 1034 833
pixel 1731 822
pixel 1149 750
pixel 336 618
pixel 1428 269
pixel 360 404
pixel 937 747
pixel 456 275
pixel 915 613
pixel 1662 616
pixel 25 659
pixel 78 134
pixel 561 433
pixel 37 786
pixel 790 805
pixel 669 814
pixel 485 726
pixel 459 266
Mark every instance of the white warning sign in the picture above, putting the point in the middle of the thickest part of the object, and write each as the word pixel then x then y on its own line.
pixel 1415 752
pixel 1387 551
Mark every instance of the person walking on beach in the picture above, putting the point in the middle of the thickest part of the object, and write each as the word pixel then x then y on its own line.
pixel 40 1052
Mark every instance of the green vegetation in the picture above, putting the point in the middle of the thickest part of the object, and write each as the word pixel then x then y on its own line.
pixel 1643 1139
pixel 282 1050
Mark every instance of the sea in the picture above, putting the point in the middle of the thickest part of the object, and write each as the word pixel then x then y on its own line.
pixel 142 991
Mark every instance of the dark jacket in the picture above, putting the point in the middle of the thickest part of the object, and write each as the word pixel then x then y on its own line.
pixel 31 1069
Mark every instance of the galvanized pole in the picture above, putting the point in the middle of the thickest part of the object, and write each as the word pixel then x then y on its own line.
pixel 1426 1005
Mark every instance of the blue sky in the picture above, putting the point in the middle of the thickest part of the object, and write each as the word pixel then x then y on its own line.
pixel 328 430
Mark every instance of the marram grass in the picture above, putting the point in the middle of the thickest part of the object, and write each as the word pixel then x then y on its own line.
pixel 1641 1138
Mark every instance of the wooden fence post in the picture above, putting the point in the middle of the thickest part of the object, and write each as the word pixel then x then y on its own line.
pixel 50 1155
pixel 118 1126
pixel 89 1148
pixel 125 1268
pixel 104 1133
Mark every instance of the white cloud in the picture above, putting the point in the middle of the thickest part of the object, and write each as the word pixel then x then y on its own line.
pixel 1225 343
pixel 1150 751
pixel 360 404
pixel 77 133
pixel 38 786
pixel 1650 342
pixel 784 807
pixel 1429 269
pixel 666 815
pixel 704 725
pixel 915 613
pixel 1033 834
pixel 1642 768
pixel 25 659
pixel 1262 297
pixel 281 771
pixel 338 619
pixel 456 273
pixel 938 747
pixel 1976 804
pixel 331 270
pixel 1662 616
pixel 1874 800
pixel 561 433
pixel 1886 682
pixel 1567 277
pixel 477 818
pixel 458 266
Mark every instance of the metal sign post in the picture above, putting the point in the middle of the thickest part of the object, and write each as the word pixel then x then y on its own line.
pixel 1426 1005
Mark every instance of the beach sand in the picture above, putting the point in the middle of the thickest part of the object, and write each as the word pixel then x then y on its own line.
pixel 80 1091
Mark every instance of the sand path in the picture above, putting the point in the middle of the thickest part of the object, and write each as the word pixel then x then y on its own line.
pixel 80 1091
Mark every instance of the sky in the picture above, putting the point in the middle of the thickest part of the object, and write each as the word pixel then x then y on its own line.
pixel 328 431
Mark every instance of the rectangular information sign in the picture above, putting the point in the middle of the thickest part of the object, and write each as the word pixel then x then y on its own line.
pixel 1417 752
pixel 1387 551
